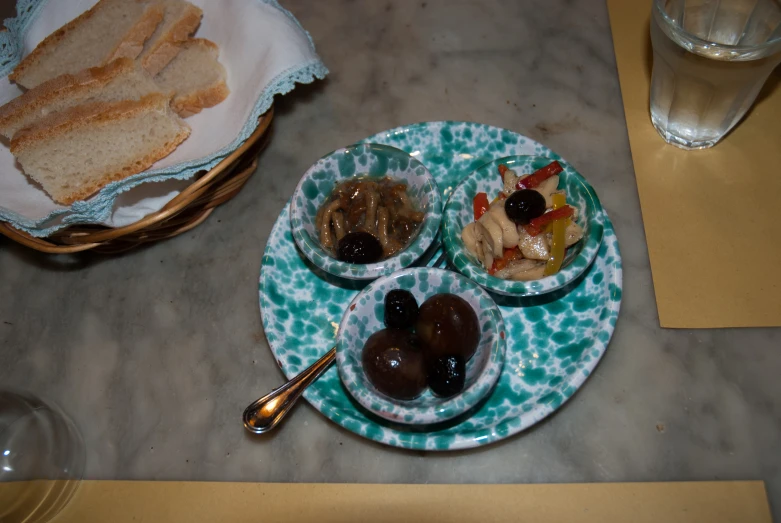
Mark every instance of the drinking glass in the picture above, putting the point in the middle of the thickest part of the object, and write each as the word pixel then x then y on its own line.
pixel 38 444
pixel 711 58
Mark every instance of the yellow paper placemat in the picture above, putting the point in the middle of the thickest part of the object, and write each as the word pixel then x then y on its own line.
pixel 711 217
pixel 188 502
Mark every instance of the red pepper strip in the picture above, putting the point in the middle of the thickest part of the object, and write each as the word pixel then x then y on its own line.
pixel 537 225
pixel 508 256
pixel 539 176
pixel 503 169
pixel 480 205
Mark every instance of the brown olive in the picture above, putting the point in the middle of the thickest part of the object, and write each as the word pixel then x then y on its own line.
pixel 394 363
pixel 448 326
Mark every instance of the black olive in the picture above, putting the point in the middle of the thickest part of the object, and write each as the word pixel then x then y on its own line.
pixel 393 361
pixel 446 375
pixel 359 247
pixel 524 205
pixel 401 309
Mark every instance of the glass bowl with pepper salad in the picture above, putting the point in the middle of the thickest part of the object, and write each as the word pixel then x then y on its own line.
pixel 523 225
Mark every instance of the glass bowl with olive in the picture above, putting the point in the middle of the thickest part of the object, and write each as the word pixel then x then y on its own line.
pixel 421 346
pixel 365 211
pixel 523 225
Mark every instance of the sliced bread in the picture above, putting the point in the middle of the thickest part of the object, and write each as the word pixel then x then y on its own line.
pixel 196 77
pixel 122 79
pixel 181 19
pixel 75 153
pixel 111 29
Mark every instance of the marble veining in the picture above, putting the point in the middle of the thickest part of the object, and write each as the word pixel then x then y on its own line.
pixel 157 352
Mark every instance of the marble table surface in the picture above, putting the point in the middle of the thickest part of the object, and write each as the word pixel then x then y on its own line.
pixel 156 353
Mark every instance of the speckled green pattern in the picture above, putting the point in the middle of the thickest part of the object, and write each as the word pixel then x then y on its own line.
pixel 451 150
pixel 459 212
pixel 361 160
pixel 365 316
pixel 552 345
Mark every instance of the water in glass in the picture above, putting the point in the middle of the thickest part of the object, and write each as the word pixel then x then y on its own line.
pixel 711 58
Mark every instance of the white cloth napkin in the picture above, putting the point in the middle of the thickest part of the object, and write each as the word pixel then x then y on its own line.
pixel 265 52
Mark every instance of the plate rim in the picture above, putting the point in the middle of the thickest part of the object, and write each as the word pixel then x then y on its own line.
pixel 473 438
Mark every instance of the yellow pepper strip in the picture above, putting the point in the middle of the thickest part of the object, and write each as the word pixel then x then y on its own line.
pixel 559 242
pixel 500 196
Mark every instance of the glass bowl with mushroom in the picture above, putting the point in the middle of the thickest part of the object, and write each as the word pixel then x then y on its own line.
pixel 365 211
pixel 523 225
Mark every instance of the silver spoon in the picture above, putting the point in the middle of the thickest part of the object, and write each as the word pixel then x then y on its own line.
pixel 264 414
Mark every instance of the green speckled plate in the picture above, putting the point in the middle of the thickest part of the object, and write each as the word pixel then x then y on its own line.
pixel 553 341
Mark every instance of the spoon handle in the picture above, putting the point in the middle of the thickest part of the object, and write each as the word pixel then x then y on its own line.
pixel 264 414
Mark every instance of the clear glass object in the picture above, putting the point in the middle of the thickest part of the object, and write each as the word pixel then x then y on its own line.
pixel 711 58
pixel 38 444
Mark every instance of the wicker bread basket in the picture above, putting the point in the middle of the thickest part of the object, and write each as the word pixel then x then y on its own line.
pixel 187 210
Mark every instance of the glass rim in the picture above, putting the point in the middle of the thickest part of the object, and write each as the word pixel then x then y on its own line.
pixel 658 7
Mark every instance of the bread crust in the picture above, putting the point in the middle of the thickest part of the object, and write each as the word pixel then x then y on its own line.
pixel 188 104
pixel 193 103
pixel 139 32
pixel 205 42
pixel 140 165
pixel 92 79
pixel 80 116
pixel 133 42
pixel 98 114
pixel 165 49
pixel 50 42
